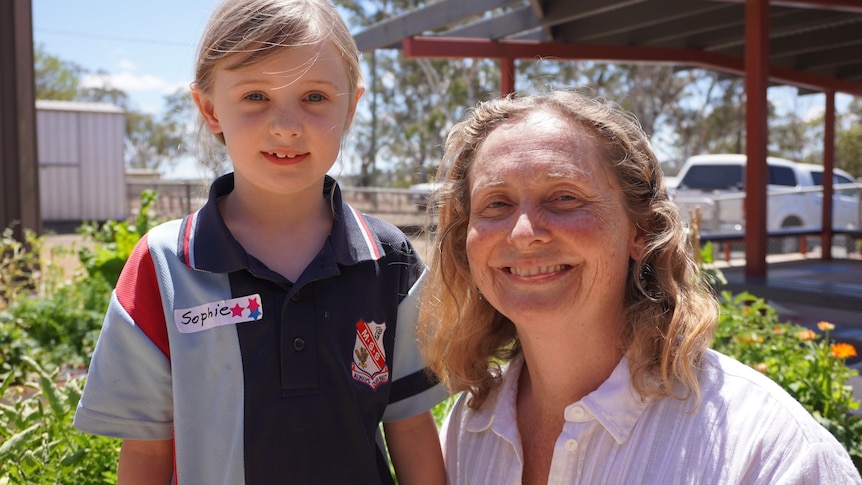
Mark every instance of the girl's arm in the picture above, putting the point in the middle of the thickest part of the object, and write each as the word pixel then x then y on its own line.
pixel 414 447
pixel 143 462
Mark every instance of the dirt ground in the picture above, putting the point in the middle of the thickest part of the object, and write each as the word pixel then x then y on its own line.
pixel 62 249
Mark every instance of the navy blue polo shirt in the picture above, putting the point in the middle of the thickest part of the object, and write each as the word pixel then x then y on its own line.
pixel 256 377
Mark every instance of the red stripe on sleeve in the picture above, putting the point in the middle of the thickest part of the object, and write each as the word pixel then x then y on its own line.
pixel 138 293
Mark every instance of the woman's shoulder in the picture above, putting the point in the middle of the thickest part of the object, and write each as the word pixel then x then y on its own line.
pixel 752 400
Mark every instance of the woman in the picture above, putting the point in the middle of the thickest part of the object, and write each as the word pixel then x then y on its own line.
pixel 564 299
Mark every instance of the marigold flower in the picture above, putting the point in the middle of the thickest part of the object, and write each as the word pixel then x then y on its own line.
pixel 778 330
pixel 842 350
pixel 749 338
pixel 806 334
pixel 825 326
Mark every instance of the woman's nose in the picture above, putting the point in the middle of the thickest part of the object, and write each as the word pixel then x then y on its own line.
pixel 528 228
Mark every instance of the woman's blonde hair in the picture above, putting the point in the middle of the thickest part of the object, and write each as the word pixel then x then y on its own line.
pixel 250 31
pixel 670 311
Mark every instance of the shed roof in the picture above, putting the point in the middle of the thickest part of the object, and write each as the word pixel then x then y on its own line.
pixel 813 44
pixel 77 106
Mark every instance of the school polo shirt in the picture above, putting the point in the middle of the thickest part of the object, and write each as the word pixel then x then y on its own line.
pixel 259 379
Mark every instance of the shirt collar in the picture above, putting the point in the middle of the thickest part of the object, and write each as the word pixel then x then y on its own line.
pixel 615 405
pixel 207 244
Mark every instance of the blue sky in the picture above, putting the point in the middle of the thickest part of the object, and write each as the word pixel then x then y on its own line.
pixel 147 47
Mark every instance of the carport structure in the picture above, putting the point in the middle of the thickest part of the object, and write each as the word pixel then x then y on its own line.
pixel 814 45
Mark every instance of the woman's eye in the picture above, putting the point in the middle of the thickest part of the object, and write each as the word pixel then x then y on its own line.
pixel 255 97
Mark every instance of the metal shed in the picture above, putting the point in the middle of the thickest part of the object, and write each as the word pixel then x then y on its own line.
pixel 81 167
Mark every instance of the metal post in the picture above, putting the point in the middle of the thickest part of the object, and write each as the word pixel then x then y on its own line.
pixel 19 165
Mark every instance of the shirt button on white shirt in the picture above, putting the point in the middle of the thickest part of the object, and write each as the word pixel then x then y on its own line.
pixel 571 445
pixel 575 413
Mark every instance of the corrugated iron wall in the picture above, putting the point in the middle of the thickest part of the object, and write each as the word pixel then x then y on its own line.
pixel 81 167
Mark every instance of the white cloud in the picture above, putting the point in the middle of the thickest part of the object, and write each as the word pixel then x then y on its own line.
pixel 127 65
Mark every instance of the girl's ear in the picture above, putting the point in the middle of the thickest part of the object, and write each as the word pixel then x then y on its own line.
pixel 352 109
pixel 206 108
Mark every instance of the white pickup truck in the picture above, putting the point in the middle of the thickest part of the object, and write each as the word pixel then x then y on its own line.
pixel 716 184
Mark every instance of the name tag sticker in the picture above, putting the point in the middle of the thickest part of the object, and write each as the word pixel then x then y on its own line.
pixel 224 312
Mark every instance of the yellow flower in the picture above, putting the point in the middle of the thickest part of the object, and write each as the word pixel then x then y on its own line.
pixel 778 330
pixel 825 326
pixel 842 350
pixel 806 334
pixel 761 367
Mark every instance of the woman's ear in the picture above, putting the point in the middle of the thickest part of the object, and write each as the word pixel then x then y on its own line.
pixel 639 242
pixel 206 107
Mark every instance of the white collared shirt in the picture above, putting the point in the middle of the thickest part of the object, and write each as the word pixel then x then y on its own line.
pixel 746 430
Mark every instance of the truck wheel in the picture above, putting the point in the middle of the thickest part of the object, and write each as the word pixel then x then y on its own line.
pixel 790 244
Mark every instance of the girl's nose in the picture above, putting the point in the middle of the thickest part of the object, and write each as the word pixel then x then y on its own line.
pixel 285 123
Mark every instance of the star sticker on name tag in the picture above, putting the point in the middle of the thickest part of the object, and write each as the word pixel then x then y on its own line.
pixel 218 313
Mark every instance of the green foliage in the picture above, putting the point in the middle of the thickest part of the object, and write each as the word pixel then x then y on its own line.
pixel 38 444
pixel 116 240
pixel 54 77
pixel 59 328
pixel 49 329
pixel 806 364
pixel 19 264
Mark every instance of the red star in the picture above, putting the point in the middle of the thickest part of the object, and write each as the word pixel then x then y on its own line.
pixel 236 311
pixel 252 304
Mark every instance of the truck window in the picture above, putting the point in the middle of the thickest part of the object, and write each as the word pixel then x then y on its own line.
pixel 713 177
pixel 782 176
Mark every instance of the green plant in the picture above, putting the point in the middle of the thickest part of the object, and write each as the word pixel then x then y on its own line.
pixel 19 264
pixel 58 328
pixel 116 240
pixel 39 444
pixel 808 365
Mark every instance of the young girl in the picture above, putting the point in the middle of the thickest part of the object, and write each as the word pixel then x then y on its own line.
pixel 264 337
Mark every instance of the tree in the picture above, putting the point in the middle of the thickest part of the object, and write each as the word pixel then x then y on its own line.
pixel 848 140
pixel 55 78
pixel 149 142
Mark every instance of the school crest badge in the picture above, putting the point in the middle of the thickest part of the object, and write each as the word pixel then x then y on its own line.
pixel 369 357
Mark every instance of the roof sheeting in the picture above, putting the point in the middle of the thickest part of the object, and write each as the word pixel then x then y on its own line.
pixel 813 44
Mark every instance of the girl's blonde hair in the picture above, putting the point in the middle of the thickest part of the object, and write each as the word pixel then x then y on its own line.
pixel 250 31
pixel 670 311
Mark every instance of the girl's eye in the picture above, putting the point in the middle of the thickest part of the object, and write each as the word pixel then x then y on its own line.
pixel 316 97
pixel 256 97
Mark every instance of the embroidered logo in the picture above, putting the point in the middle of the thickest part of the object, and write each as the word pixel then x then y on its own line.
pixel 218 313
pixel 369 357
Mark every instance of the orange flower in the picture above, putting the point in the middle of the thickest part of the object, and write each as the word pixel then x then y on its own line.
pixel 825 326
pixel 806 334
pixel 761 367
pixel 749 338
pixel 778 330
pixel 842 350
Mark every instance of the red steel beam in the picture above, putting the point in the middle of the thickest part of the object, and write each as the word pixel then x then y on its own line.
pixel 460 48
pixel 839 5
pixel 756 134
pixel 828 167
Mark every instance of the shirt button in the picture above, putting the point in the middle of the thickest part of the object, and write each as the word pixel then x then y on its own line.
pixel 295 297
pixel 571 445
pixel 298 344
pixel 575 414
